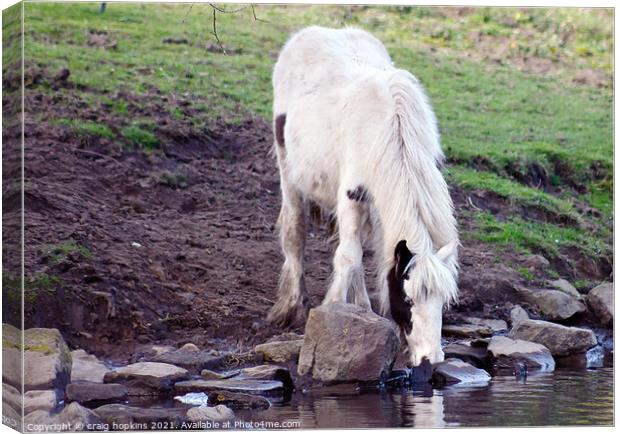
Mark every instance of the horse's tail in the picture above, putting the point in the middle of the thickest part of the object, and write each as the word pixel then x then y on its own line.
pixel 412 186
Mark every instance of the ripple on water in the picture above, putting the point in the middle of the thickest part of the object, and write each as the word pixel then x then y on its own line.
pixel 559 398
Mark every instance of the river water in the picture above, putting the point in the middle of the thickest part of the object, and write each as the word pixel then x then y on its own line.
pixel 563 397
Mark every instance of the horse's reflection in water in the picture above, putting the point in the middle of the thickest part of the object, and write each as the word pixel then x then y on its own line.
pixel 420 410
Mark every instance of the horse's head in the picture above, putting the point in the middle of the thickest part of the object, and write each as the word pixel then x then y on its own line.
pixel 419 288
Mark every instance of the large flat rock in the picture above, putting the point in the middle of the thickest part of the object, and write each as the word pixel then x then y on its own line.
pixel 238 400
pixel 192 360
pixel 466 330
pixel 141 418
pixel 147 378
pixel 47 360
pixel 87 392
pixel 559 339
pixel 87 367
pixel 452 371
pixel 251 386
pixel 556 305
pixel 344 342
pixel 506 353
pixel 601 301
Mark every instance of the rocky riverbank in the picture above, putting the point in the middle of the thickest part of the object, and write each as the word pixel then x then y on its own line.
pixel 75 391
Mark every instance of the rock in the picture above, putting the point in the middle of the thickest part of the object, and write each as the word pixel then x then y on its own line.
pixel 193 361
pixel 86 392
pixel 288 336
pixel 207 374
pixel 536 262
pixel 147 378
pixel 47 360
pixel 473 353
pixel 269 372
pixel 139 417
pixel 12 356
pixel 344 342
pixel 593 358
pixel 496 325
pixel 217 413
pixel 505 353
pixel 518 314
pixel 238 400
pixel 45 400
pixel 72 418
pixel 466 330
pixel 12 397
pixel 559 339
pixel 601 301
pixel 190 347
pixel 280 351
pixel 555 304
pixel 422 373
pixel 11 417
pixel 233 385
pixel 566 287
pixel 453 371
pixel 87 367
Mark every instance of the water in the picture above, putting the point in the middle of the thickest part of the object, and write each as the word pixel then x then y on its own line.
pixel 559 398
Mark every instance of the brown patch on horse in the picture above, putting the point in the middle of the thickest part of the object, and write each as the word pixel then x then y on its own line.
pixel 279 129
pixel 358 194
pixel 400 303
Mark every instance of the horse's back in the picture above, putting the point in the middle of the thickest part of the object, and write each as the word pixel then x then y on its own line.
pixel 319 60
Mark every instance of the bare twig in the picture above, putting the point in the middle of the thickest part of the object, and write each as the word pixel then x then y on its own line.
pixel 217 38
pixel 187 13
pixel 255 17
pixel 225 11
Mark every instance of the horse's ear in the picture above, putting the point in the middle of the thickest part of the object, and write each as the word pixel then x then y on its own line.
pixel 402 256
pixel 448 251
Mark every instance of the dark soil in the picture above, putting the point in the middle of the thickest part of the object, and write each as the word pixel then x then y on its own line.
pixel 180 243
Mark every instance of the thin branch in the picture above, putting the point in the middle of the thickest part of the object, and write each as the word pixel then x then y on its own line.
pixel 224 11
pixel 187 13
pixel 255 17
pixel 217 38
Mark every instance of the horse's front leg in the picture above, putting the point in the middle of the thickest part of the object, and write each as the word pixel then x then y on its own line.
pixel 348 268
pixel 290 308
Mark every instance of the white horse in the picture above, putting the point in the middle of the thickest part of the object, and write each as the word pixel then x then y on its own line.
pixel 358 137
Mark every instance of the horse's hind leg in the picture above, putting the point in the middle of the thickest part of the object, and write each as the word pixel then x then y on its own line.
pixel 348 268
pixel 290 308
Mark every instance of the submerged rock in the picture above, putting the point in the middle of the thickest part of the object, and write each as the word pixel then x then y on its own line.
pixel 147 378
pixel 86 392
pixel 238 400
pixel 217 413
pixel 601 301
pixel 593 358
pixel 557 305
pixel 452 371
pixel 280 351
pixel 125 414
pixel 232 384
pixel 87 367
pixel 505 353
pixel 559 339
pixel 47 360
pixel 344 342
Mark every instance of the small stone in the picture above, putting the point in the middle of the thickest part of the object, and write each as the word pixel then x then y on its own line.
pixel 85 392
pixel 555 304
pixel 280 351
pixel 217 413
pixel 45 400
pixel 147 378
pixel 518 314
pixel 238 400
pixel 506 352
pixel 87 367
pixel 453 371
pixel 344 342
pixel 601 301
pixel 559 339
pixel 233 385
pixel 190 347
pixel 566 287
pixel 466 330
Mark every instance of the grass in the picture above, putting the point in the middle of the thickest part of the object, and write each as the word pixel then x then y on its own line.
pixel 33 286
pixel 86 128
pixel 57 253
pixel 496 117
